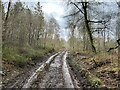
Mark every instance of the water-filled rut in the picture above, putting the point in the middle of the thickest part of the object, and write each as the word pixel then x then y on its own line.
pixel 53 77
pixel 53 73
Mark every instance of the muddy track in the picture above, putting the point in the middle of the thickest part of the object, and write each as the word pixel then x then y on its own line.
pixel 53 77
pixel 53 73
pixel 57 75
pixel 21 79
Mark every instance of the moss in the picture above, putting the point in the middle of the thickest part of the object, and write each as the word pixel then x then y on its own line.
pixel 116 69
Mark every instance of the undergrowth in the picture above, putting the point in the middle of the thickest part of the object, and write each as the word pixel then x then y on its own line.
pixel 21 55
pixel 98 70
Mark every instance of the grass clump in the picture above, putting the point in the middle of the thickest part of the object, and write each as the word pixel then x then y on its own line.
pixel 95 82
pixel 20 56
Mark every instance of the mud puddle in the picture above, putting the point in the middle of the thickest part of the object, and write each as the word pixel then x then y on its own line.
pixel 53 77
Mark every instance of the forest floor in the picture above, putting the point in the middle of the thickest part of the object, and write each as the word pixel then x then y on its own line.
pixel 86 72
pixel 97 71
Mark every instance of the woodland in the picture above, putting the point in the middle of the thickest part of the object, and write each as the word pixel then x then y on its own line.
pixel 93 43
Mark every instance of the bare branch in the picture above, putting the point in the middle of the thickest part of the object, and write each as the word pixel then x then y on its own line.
pixel 8 10
pixel 118 3
pixel 118 41
pixel 96 21
pixel 112 48
pixel 77 7
pixel 97 28
pixel 100 30
pixel 79 19
pixel 71 14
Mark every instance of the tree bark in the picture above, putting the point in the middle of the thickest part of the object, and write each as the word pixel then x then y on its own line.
pixel 84 4
pixel 5 21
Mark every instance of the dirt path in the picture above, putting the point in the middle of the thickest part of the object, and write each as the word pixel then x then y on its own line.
pixel 21 79
pixel 57 76
pixel 66 74
pixel 53 77
pixel 54 73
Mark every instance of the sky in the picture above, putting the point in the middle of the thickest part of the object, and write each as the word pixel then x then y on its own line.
pixel 56 9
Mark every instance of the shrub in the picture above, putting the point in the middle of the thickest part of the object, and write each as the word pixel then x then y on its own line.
pixel 95 82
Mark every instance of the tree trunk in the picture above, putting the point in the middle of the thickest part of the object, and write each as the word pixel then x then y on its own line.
pixel 104 39
pixel 84 41
pixel 45 39
pixel 5 21
pixel 87 27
